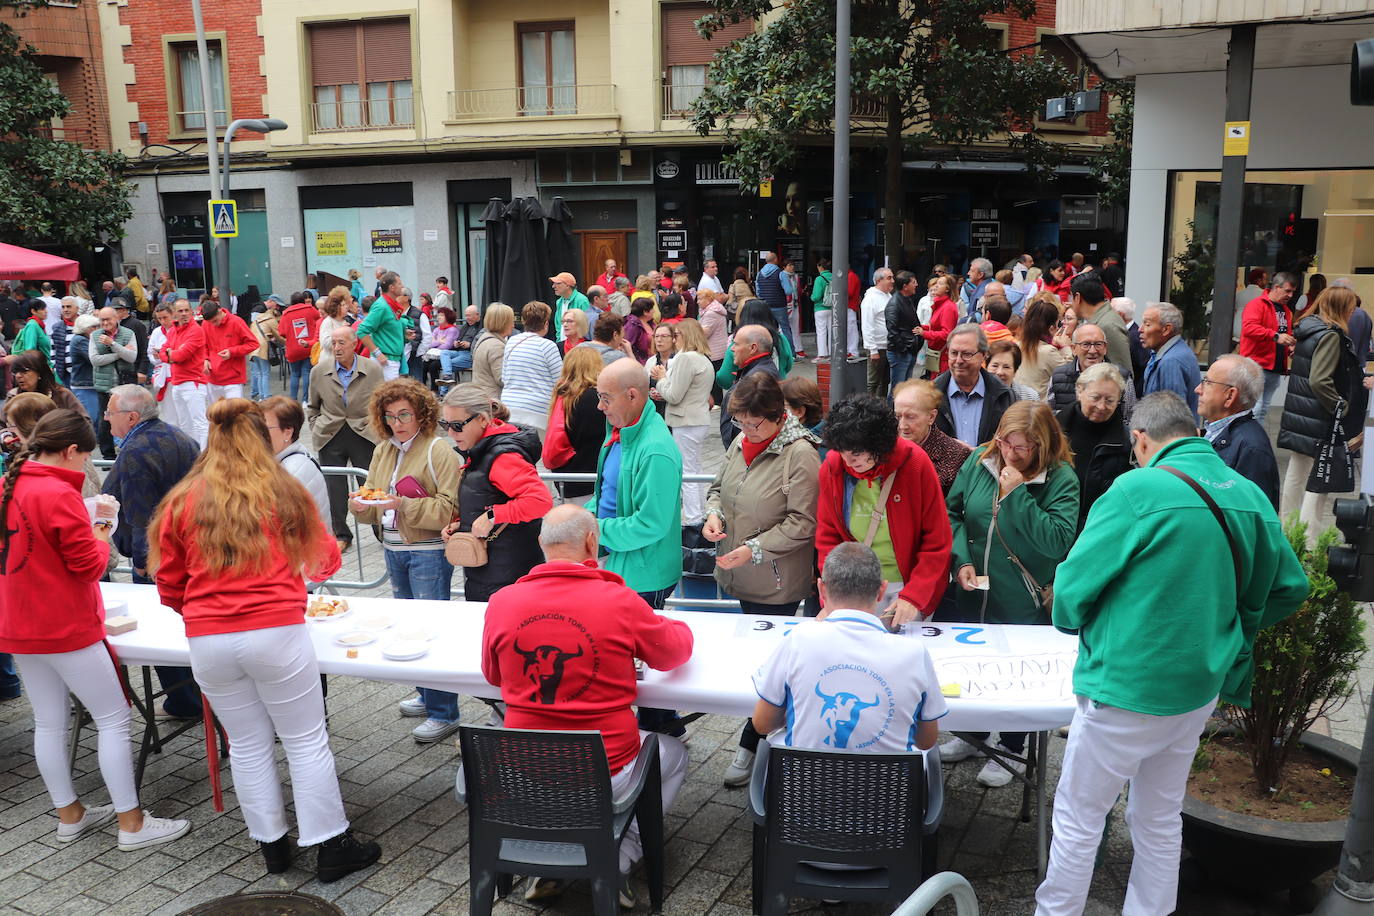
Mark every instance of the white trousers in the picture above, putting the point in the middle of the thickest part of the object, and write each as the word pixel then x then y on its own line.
pixel 190 403
pixel 1107 748
pixel 265 683
pixel 794 319
pixel 220 392
pixel 689 440
pixel 672 761
pixel 90 674
pixel 825 332
pixel 392 370
pixel 1293 496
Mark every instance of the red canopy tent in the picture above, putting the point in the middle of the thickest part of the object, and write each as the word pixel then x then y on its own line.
pixel 26 264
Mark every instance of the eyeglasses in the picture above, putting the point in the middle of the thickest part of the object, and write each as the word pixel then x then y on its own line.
pixel 1208 381
pixel 747 427
pixel 1091 344
pixel 404 416
pixel 1015 449
pixel 457 426
pixel 963 354
pixel 110 412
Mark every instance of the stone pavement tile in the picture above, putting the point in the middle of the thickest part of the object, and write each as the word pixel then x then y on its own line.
pixel 420 897
pixel 692 896
pixel 17 886
pixel 263 882
pixel 211 887
pixel 20 858
pixel 402 836
pixel 728 909
pixel 680 856
pixel 729 854
pixel 72 855
pixel 438 812
pixel 450 836
pixel 455 868
pixel 404 870
pixel 986 833
pixel 360 901
pixel 24 812
pixel 194 869
pixel 739 892
pixel 388 810
pixel 335 889
pixel 708 823
pixel 80 905
pixel 50 894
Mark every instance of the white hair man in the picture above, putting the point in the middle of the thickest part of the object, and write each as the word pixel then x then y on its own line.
pixel 1173 367
pixel 873 320
pixel 980 274
pixel 1226 400
pixel 1140 356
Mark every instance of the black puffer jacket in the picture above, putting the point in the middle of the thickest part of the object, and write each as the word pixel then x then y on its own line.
pixel 515 551
pixel 901 318
pixel 1306 421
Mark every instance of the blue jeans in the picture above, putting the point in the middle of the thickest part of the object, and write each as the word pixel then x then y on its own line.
pixel 784 324
pixel 1272 380
pixel 182 693
pixel 300 377
pixel 89 399
pixel 260 378
pixel 427 576
pixel 9 681
pixel 449 360
pixel 900 366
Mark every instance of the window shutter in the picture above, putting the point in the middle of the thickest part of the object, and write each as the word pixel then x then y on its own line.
pixel 386 50
pixel 334 53
pixel 683 45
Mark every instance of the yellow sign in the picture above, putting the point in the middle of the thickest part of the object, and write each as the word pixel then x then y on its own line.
pixel 766 188
pixel 332 243
pixel 1236 140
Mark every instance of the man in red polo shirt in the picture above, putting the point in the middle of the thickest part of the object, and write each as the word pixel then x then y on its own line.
pixel 1266 334
pixel 227 345
pixel 561 643
pixel 185 353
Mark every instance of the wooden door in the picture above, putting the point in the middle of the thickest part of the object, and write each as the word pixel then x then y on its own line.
pixel 597 247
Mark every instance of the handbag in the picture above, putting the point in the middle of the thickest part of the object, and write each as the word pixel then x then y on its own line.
pixel 1333 467
pixel 468 550
pixel 880 510
pixel 315 353
pixel 1043 595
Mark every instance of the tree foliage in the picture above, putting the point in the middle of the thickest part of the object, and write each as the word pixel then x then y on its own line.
pixel 1113 168
pixel 50 190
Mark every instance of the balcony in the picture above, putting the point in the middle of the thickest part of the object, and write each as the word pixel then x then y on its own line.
pixel 679 97
pixel 581 100
pixel 362 114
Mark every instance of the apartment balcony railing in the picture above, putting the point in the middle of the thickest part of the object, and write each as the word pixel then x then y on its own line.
pixel 532 102
pixel 362 114
pixel 678 98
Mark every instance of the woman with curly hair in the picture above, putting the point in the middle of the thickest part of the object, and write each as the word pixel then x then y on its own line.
pixel 419 472
pixel 232 552
pixel 883 490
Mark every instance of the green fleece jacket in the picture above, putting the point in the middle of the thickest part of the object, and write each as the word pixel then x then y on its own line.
pixel 1037 520
pixel 643 543
pixel 1150 586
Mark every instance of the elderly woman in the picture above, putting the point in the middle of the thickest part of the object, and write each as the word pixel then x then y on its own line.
pixel 575 329
pixel 530 368
pixel 419 472
pixel 883 490
pixel 83 379
pixel 761 512
pixel 1004 361
pixel 489 349
pixel 285 418
pixel 1014 512
pixel 685 390
pixel 1096 430
pixel 916 402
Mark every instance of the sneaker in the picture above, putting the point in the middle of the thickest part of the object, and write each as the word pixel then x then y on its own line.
pixel 162 715
pixel 740 769
pixel 956 749
pixel 93 819
pixel 432 730
pixel 544 888
pixel 994 775
pixel 801 354
pixel 343 855
pixel 446 380
pixel 412 708
pixel 155 830
pixel 277 854
pixel 627 894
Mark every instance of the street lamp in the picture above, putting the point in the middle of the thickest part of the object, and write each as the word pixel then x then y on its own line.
pixel 257 126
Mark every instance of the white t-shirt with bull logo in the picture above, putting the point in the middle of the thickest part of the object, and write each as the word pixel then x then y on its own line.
pixel 848 684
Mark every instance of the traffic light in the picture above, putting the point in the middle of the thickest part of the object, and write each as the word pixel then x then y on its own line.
pixel 1352 566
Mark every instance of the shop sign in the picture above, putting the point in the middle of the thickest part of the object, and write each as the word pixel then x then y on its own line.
pixel 985 234
pixel 333 243
pixel 716 173
pixel 1079 212
pixel 672 240
pixel 667 169
pixel 386 241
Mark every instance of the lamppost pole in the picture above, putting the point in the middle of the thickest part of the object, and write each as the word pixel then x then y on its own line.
pixel 839 276
pixel 258 125
pixel 207 98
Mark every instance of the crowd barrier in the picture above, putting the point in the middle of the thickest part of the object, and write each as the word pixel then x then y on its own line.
pixel 357 476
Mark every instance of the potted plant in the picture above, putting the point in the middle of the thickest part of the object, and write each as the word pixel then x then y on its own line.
pixel 1257 827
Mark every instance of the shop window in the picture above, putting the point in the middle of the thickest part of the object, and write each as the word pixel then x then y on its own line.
pixel 361 74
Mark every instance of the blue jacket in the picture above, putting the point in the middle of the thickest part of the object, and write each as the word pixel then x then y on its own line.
pixel 769 286
pixel 969 296
pixel 152 460
pixel 1244 446
pixel 1175 371
pixel 82 376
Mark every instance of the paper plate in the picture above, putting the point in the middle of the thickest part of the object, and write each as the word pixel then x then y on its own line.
pixel 415 635
pixel 375 622
pixel 405 650
pixel 372 502
pixel 331 618
pixel 355 638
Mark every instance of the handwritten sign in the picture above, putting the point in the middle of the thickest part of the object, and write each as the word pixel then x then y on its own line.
pixel 1036 677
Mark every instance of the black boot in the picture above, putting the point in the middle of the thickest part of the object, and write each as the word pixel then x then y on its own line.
pixel 343 855
pixel 277 855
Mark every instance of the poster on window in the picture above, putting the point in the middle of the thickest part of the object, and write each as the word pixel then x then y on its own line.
pixel 188 258
pixel 378 231
pixel 386 241
pixel 332 243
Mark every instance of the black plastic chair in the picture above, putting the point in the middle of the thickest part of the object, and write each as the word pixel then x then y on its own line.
pixel 841 825
pixel 540 803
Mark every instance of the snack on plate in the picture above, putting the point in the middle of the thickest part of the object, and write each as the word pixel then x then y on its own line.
pixel 372 493
pixel 123 624
pixel 324 608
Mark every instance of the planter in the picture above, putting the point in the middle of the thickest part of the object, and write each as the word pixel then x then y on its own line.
pixel 1254 853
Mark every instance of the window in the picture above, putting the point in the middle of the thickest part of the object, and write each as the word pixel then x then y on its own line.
pixel 687 56
pixel 548 68
pixel 360 74
pixel 190 101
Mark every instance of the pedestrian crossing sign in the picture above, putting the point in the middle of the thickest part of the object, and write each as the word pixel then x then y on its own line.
pixel 224 219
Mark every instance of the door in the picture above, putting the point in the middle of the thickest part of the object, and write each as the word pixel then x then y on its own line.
pixel 249 257
pixel 599 247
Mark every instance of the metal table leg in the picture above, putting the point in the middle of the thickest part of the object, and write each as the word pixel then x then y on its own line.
pixel 1042 838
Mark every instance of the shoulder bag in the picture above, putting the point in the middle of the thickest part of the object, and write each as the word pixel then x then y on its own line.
pixel 1333 467
pixel 880 510
pixel 1042 595
pixel 468 550
pixel 1221 520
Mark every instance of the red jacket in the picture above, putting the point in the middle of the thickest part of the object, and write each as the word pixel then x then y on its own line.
pixel 561 643
pixel 607 281
pixel 50 591
pixel 916 519
pixel 944 315
pixel 232 603
pixel 854 292
pixel 299 327
pixel 1258 325
pixel 228 333
pixel 185 350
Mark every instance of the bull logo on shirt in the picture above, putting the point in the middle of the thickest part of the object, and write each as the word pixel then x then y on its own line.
pixel 841 714
pixel 544 666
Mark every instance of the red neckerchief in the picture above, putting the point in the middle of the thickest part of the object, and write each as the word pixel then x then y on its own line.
pixel 615 436
pixel 753 449
pixel 749 362
pixel 395 306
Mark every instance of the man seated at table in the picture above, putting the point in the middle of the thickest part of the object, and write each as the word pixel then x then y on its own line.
pixel 561 643
pixel 847 683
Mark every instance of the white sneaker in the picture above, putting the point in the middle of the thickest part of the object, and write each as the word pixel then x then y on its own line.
pixel 155 830
pixel 544 888
pixel 93 819
pixel 994 775
pixel 956 749
pixel 412 708
pixel 432 730
pixel 740 769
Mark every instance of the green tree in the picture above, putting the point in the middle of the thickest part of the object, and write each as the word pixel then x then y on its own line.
pixel 927 79
pixel 50 190
pixel 1113 168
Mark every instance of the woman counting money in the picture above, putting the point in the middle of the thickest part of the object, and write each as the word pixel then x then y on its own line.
pixel 232 551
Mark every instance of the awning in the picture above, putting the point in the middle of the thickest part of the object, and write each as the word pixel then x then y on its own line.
pixel 26 264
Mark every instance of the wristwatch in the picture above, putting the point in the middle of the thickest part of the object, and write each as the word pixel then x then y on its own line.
pixel 103 523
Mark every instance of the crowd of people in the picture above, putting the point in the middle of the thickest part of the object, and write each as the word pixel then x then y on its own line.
pixel 1009 464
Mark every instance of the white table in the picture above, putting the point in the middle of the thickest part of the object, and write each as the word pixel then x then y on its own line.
pixel 1010 677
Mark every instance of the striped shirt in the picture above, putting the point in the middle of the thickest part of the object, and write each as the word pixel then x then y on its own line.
pixel 529 371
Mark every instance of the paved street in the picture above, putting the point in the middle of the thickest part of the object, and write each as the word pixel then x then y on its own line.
pixel 402 794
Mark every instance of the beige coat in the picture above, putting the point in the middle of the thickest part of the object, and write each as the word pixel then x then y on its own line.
pixel 325 410
pixel 739 293
pixel 487 355
pixel 770 506
pixel 686 389
pixel 433 462
pixel 1047 358
pixel 264 326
